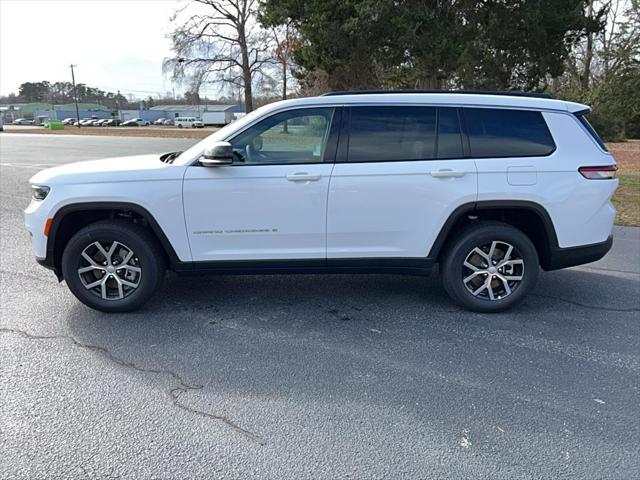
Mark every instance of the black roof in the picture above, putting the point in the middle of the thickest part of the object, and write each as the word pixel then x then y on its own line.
pixel 508 93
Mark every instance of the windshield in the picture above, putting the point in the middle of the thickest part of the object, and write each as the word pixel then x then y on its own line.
pixel 196 151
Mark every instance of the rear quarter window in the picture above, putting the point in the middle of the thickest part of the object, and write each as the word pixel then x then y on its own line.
pixel 495 132
pixel 582 118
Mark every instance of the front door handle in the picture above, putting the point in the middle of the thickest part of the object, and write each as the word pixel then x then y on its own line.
pixel 303 177
pixel 447 173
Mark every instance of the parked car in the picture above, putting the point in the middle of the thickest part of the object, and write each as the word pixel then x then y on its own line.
pixel 22 121
pixel 69 121
pixel 86 122
pixel 169 122
pixel 490 187
pixel 159 121
pixel 136 122
pixel 188 122
pixel 112 122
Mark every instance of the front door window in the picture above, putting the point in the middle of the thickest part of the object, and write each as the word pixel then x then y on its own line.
pixel 291 137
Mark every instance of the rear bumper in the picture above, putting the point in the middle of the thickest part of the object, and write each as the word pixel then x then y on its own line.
pixel 570 257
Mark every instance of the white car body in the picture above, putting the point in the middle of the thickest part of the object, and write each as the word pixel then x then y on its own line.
pixel 340 213
pixel 139 121
pixel 22 121
pixel 188 122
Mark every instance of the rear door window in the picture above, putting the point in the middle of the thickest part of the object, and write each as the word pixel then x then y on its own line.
pixel 392 133
pixel 507 133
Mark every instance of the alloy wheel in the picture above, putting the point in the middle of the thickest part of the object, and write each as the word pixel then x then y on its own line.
pixel 109 270
pixel 493 271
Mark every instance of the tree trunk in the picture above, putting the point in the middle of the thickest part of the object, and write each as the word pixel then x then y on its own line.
pixel 284 80
pixel 248 94
pixel 588 54
pixel 246 71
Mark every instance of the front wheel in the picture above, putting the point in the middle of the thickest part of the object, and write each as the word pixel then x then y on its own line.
pixel 489 267
pixel 113 266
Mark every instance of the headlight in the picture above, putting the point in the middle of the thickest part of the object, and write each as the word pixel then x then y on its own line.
pixel 39 192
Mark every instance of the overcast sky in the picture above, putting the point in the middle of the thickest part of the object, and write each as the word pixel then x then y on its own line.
pixel 116 44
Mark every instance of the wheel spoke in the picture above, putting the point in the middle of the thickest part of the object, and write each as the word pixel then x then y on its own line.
pixel 507 288
pixel 126 259
pixel 480 289
pixel 507 255
pixel 492 251
pixel 103 289
pixel 512 277
pixel 128 283
pixel 91 285
pixel 490 288
pixel 472 276
pixel 470 266
pixel 90 268
pixel 91 261
pixel 102 250
pixel 131 267
pixel 112 249
pixel 511 262
pixel 482 254
pixel 119 283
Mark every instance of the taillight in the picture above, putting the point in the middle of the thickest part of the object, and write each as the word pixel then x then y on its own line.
pixel 606 172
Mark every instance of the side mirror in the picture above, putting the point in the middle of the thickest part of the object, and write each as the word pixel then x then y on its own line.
pixel 220 153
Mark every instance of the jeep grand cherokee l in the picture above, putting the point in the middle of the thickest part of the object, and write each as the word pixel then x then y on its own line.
pixel 491 187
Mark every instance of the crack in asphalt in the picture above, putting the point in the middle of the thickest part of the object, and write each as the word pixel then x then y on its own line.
pixel 584 305
pixel 174 393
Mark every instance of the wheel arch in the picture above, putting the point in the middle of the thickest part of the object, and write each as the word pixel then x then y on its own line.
pixel 70 218
pixel 530 217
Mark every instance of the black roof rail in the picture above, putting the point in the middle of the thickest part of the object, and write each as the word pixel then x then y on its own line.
pixel 508 93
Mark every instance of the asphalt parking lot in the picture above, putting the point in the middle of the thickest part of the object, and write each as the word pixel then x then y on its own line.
pixel 337 376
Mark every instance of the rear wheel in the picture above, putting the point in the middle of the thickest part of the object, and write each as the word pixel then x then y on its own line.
pixel 113 266
pixel 489 267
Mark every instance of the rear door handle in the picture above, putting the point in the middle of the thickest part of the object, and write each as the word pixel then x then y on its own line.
pixel 303 177
pixel 447 173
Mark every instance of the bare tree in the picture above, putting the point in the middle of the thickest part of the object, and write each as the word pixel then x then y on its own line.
pixel 283 36
pixel 220 40
pixel 588 54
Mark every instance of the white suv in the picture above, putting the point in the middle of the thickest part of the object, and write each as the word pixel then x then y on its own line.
pixel 492 187
pixel 188 122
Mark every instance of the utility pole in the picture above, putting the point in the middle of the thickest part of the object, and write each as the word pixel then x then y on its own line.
pixel 75 93
pixel 118 105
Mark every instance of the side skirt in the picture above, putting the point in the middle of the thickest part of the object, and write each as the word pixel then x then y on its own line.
pixel 405 266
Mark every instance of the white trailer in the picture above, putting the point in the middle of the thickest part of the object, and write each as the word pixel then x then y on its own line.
pixel 214 118
pixel 219 118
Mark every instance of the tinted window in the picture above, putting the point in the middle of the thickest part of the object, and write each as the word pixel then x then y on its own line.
pixel 449 138
pixel 382 134
pixel 592 131
pixel 294 136
pixel 507 133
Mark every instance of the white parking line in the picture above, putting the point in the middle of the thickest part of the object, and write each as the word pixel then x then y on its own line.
pixel 30 165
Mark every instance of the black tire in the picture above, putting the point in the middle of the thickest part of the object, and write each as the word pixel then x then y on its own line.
pixel 454 272
pixel 147 256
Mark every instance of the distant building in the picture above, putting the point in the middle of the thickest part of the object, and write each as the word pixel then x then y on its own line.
pixel 41 111
pixel 209 114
